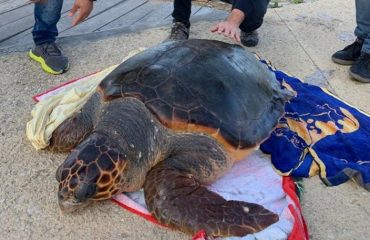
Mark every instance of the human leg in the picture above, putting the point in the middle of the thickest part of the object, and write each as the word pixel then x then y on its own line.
pixel 45 31
pixel 47 16
pixel 362 30
pixel 181 11
pixel 254 14
pixel 360 70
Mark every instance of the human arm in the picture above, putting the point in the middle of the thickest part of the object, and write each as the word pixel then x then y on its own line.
pixel 230 27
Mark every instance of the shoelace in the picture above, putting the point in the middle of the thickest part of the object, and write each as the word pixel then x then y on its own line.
pixel 52 49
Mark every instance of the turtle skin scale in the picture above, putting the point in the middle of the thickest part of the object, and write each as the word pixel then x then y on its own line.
pixel 173 119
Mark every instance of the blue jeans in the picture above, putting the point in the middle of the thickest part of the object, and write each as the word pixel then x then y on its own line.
pixel 363 23
pixel 47 16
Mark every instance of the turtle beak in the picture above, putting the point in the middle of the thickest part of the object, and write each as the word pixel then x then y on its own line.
pixel 71 205
pixel 68 203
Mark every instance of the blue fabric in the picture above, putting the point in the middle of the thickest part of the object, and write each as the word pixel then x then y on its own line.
pixel 363 23
pixel 47 15
pixel 320 134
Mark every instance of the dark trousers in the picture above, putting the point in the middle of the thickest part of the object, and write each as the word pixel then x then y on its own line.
pixel 363 23
pixel 254 13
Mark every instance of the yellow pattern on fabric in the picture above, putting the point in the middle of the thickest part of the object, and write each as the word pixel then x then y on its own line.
pixel 312 131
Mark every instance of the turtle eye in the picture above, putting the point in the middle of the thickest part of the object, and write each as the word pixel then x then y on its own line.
pixel 86 191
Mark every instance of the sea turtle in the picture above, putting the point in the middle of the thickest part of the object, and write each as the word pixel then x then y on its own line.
pixel 172 119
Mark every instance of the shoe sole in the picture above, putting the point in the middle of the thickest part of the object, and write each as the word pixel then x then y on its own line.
pixel 359 78
pixel 43 64
pixel 341 61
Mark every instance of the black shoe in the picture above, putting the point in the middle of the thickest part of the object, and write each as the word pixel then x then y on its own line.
pixel 360 70
pixel 50 57
pixel 349 54
pixel 179 31
pixel 249 39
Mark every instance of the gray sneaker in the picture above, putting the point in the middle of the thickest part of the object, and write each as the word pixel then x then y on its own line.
pixel 179 31
pixel 50 57
pixel 249 39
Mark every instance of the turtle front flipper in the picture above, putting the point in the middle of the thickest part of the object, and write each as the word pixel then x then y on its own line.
pixel 175 195
pixel 177 199
pixel 74 129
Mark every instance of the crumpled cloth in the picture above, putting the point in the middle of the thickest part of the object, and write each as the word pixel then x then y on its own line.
pixel 320 134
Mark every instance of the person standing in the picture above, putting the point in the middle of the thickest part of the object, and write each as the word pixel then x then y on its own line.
pixel 245 17
pixel 357 54
pixel 47 14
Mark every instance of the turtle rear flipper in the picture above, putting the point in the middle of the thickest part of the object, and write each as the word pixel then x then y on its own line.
pixel 176 199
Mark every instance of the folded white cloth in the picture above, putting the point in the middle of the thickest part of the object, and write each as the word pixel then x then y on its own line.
pixel 251 180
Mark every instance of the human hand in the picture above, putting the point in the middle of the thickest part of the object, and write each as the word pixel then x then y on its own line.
pixel 83 9
pixel 228 29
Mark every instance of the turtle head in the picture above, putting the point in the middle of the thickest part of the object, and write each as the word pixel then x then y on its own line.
pixel 91 172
